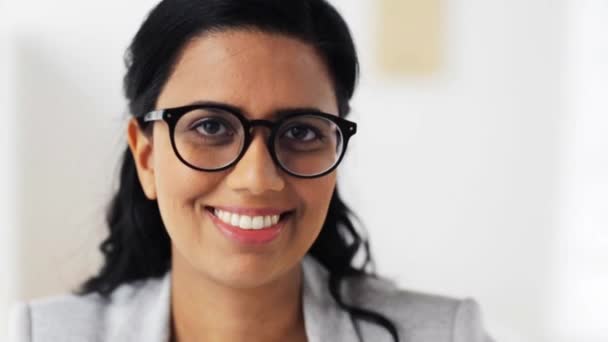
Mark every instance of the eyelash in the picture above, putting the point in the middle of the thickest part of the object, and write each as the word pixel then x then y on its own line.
pixel 200 123
pixel 318 135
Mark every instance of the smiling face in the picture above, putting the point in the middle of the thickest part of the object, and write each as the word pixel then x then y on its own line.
pixel 260 73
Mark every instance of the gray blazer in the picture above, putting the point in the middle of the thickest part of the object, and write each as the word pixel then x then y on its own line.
pixel 140 311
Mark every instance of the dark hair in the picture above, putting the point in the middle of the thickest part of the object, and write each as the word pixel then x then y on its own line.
pixel 138 246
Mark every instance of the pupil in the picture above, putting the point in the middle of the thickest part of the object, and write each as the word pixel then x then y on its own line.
pixel 298 132
pixel 211 127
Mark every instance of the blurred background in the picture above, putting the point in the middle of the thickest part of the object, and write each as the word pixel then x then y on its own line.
pixel 480 168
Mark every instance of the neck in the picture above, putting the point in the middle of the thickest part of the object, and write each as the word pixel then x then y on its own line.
pixel 205 310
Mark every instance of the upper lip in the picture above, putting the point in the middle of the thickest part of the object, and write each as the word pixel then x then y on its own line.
pixel 267 211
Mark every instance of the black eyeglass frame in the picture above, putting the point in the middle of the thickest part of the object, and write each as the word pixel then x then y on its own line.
pixel 172 115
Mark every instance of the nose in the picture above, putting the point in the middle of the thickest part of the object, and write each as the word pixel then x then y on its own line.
pixel 256 171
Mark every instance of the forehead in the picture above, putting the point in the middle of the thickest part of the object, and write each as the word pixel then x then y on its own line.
pixel 256 71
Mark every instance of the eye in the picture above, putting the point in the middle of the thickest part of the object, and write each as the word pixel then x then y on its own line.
pixel 302 133
pixel 211 127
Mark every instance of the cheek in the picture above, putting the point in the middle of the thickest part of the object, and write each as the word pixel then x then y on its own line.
pixel 176 181
pixel 316 195
pixel 179 188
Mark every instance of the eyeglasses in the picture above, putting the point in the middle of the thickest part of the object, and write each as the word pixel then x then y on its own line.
pixel 213 137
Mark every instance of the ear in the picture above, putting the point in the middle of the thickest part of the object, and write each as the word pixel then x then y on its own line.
pixel 140 145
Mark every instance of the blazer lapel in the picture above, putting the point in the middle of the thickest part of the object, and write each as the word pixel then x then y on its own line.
pixel 147 317
pixel 158 317
pixel 324 320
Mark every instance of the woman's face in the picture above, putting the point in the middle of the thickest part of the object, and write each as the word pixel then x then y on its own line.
pixel 259 73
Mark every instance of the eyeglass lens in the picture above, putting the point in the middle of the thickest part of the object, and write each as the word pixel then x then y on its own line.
pixel 213 138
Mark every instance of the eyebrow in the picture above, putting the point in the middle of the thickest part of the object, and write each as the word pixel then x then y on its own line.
pixel 275 114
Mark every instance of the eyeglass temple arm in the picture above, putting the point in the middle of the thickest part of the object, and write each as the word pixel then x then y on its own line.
pixel 154 115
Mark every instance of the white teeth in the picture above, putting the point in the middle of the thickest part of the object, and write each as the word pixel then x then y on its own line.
pixel 257 222
pixel 246 222
pixel 235 219
pixel 222 214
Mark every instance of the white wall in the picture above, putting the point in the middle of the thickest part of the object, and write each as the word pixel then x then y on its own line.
pixel 62 113
pixel 461 177
pixel 462 197
pixel 7 174
pixel 582 251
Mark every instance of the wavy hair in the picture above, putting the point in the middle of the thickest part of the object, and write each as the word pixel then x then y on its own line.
pixel 138 246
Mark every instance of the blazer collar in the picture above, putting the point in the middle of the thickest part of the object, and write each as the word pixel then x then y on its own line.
pixel 324 320
pixel 140 311
pixel 157 317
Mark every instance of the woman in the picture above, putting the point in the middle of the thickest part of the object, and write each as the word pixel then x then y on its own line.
pixel 227 225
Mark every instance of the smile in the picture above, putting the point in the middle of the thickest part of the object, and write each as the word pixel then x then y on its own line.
pixel 249 219
pixel 249 225
pixel 245 221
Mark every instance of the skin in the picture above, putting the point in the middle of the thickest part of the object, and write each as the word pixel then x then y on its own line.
pixel 223 291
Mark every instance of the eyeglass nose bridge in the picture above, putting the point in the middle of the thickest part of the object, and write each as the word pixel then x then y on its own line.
pixel 267 123
pixel 251 124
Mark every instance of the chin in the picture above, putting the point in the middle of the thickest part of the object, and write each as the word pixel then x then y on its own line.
pixel 247 271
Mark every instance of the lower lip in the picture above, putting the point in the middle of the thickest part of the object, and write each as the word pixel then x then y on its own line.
pixel 249 236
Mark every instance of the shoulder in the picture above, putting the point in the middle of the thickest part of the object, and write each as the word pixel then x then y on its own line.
pixel 418 316
pixel 89 317
pixel 56 318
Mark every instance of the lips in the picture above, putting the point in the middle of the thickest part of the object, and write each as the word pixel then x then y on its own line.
pixel 235 224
